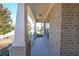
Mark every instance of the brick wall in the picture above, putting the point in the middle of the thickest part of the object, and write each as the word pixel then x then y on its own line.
pixel 55 29
pixel 70 30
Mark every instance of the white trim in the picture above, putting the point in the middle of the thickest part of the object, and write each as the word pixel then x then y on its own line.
pixel 48 11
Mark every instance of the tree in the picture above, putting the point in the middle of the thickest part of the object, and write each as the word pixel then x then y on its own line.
pixel 5 21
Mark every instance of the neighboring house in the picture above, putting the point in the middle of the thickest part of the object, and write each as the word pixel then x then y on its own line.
pixel 1 37
pixel 7 39
pixel 8 35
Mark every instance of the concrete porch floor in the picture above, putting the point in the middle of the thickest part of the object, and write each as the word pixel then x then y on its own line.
pixel 39 47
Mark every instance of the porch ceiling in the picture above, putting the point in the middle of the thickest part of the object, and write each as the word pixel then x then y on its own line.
pixel 40 10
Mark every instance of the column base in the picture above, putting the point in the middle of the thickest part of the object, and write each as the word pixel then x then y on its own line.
pixel 17 51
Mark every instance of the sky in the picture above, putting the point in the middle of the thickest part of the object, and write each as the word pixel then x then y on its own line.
pixel 13 9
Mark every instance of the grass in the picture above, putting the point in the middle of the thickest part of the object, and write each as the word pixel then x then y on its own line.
pixel 39 34
pixel 4 51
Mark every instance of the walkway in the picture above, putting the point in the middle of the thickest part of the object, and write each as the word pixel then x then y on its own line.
pixel 39 48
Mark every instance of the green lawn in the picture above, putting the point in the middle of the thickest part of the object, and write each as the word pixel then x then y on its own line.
pixel 39 33
pixel 4 51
